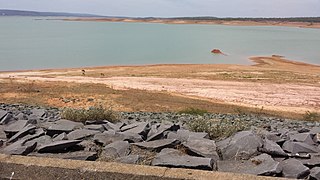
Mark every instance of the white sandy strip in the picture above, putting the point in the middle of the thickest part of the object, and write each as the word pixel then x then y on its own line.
pixel 274 96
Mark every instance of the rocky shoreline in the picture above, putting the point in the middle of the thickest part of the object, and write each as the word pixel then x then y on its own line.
pixel 269 147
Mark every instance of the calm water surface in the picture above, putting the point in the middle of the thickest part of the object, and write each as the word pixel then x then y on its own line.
pixel 26 43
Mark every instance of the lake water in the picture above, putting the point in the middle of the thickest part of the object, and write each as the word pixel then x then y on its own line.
pixel 26 43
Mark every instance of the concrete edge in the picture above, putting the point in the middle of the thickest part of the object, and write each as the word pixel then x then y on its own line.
pixel 25 167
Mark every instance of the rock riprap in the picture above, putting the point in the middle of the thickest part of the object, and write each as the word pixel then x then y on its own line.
pixel 270 147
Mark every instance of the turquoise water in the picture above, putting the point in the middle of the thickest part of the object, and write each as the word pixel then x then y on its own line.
pixel 26 43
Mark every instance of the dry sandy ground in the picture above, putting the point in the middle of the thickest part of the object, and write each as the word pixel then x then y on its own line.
pixel 288 95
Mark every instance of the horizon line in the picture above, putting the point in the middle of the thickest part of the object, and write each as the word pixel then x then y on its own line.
pixel 164 17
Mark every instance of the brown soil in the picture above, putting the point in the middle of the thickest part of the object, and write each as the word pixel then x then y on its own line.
pixel 273 86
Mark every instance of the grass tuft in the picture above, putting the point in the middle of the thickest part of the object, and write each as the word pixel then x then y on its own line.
pixel 96 113
pixel 311 116
pixel 193 111
pixel 29 87
pixel 218 129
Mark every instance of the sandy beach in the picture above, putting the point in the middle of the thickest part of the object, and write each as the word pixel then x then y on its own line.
pixel 273 84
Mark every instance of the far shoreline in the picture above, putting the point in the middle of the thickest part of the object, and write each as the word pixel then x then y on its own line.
pixel 314 25
pixel 255 61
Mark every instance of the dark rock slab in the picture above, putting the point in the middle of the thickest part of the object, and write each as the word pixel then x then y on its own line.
pixel 115 150
pixel 272 149
pixel 131 126
pixel 62 126
pixel 38 112
pixel 38 133
pixel 315 130
pixel 187 134
pixel 33 119
pixel 158 145
pixel 107 137
pixel 58 146
pixel 19 148
pixel 303 130
pixel 262 165
pixel 2 114
pixel 174 135
pixel 15 127
pixel 159 135
pixel 95 122
pixel 2 133
pixel 111 126
pixel 292 168
pixel 298 147
pixel 173 158
pixel 131 159
pixel 312 162
pixel 183 135
pixel 159 132
pixel 21 116
pixel 142 129
pixel 131 137
pixel 78 155
pixel 41 141
pixel 29 129
pixel 95 127
pixel 60 137
pixel 275 137
pixel 302 137
pixel 81 134
pixel 202 147
pixel 6 119
pixel 154 128
pixel 315 173
pixel 243 145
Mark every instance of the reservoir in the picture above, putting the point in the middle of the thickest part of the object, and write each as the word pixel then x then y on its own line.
pixel 30 43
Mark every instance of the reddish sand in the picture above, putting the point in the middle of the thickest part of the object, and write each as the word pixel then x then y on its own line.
pixel 276 84
pixel 271 96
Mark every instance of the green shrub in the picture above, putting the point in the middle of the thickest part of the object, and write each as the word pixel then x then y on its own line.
pixel 97 113
pixel 193 111
pixel 311 116
pixel 218 129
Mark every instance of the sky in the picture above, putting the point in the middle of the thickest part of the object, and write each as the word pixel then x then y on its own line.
pixel 173 8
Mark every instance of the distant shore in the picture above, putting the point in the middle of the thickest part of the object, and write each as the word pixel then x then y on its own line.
pixel 215 22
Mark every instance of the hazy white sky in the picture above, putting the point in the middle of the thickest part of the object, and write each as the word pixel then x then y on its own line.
pixel 169 8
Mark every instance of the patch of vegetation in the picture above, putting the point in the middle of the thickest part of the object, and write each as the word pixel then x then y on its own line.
pixel 239 111
pixel 96 113
pixel 247 77
pixel 193 111
pixel 311 116
pixel 29 87
pixel 218 129
pixel 259 112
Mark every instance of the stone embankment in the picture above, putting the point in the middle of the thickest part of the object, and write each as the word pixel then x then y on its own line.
pixel 270 147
